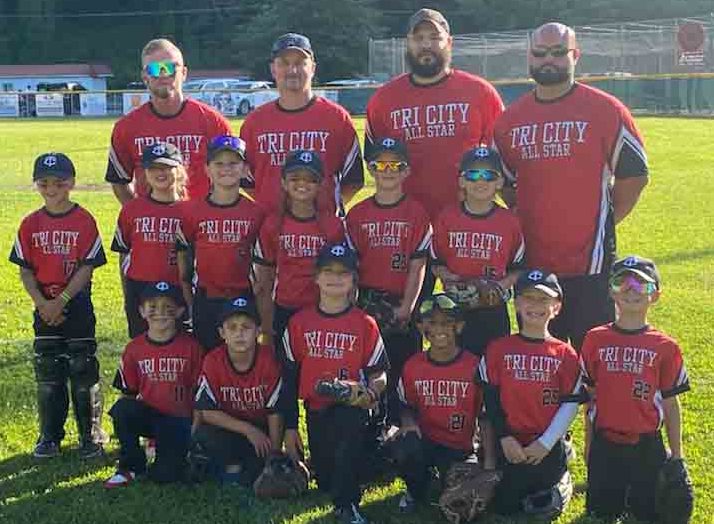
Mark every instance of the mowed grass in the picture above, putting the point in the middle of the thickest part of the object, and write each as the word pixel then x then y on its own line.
pixel 672 224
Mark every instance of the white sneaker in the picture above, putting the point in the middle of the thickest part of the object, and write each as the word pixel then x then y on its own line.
pixel 407 503
pixel 120 479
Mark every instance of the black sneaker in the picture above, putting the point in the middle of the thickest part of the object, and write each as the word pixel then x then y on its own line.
pixel 46 449
pixel 350 515
pixel 90 450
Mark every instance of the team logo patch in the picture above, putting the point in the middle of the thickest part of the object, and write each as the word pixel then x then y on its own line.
pixel 240 302
pixel 159 149
pixel 389 143
pixel 162 286
pixel 482 152
pixel 338 251
pixel 305 157
pixel 535 276
pixel 50 161
pixel 630 262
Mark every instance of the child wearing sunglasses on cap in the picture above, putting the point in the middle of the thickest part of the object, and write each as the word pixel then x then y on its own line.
pixel 532 387
pixel 477 249
pixel 391 234
pixel 440 401
pixel 635 373
pixel 216 239
pixel 146 229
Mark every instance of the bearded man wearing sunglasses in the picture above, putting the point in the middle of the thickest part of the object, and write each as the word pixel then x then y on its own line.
pixel 168 117
pixel 575 165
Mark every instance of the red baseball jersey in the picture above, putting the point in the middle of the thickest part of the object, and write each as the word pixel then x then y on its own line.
pixel 562 156
pixel 474 246
pixel 438 123
pixel 325 347
pixel 534 377
pixel 387 238
pixel 222 238
pixel 54 246
pixel 323 127
pixel 161 374
pixel 445 397
pixel 631 372
pixel 291 245
pixel 190 130
pixel 146 232
pixel 247 395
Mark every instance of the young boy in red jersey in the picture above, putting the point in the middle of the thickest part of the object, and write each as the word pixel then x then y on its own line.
pixel 441 399
pixel 146 229
pixel 479 241
pixel 636 374
pixel 334 340
pixel 220 231
pixel 237 396
pixel 157 377
pixel 57 249
pixel 532 386
pixel 391 234
pixel 289 242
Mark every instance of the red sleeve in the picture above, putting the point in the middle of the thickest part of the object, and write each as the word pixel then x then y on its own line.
pixel 375 356
pixel 122 236
pixel 334 228
pixel 354 238
pixel 293 343
pixel 489 367
pixel 128 372
pixel 21 253
pixel 673 378
pixel 500 139
pixel 629 158
pixel 351 169
pixel 569 374
pixel 246 133
pixel 91 245
pixel 438 245
pixel 589 360
pixel 196 362
pixel 266 245
pixel 518 245
pixel 120 168
pixel 492 107
pixel 185 234
pixel 422 235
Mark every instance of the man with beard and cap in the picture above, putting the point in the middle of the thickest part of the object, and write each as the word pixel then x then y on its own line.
pixel 300 120
pixel 168 117
pixel 437 111
pixel 576 165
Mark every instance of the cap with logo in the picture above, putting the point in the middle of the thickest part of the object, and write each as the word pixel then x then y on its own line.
pixel 226 143
pixel 386 145
pixel 540 280
pixel 292 41
pixel 161 289
pixel 340 253
pixel 301 159
pixel 639 266
pixel 166 154
pixel 428 15
pixel 239 306
pixel 53 164
pixel 481 156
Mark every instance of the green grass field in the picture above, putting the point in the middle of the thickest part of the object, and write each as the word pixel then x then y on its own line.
pixel 672 224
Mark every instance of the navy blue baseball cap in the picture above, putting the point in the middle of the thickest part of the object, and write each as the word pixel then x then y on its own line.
pixel 161 289
pixel 166 154
pixel 292 41
pixel 302 159
pixel 244 305
pixel 387 145
pixel 226 143
pixel 340 253
pixel 540 280
pixel 53 164
pixel 642 267
pixel 481 156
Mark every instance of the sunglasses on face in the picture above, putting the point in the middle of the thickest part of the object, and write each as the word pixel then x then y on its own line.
pixel 555 52
pixel 474 175
pixel 387 165
pixel 443 302
pixel 623 283
pixel 155 69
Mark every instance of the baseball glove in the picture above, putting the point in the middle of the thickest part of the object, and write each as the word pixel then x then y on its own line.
pixel 282 477
pixel 471 294
pixel 380 305
pixel 468 489
pixel 347 392
pixel 674 501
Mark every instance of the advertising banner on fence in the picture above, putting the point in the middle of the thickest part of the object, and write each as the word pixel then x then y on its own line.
pixel 691 40
pixel 133 100
pixel 93 104
pixel 9 105
pixel 49 104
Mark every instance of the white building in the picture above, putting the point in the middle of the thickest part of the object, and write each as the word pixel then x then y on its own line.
pixel 92 77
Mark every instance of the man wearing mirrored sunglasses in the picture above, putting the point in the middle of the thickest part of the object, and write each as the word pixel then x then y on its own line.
pixel 168 117
pixel 575 165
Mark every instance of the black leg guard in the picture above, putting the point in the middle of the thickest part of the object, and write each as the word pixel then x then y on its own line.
pixel 86 392
pixel 51 372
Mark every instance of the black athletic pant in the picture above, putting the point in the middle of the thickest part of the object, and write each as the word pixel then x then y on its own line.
pixel 336 437
pixel 227 448
pixel 482 325
pixel 623 477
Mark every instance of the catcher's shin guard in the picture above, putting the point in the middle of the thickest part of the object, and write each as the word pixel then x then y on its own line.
pixel 86 392
pixel 551 502
pixel 50 365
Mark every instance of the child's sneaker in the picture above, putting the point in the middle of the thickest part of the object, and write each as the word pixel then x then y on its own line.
pixel 46 449
pixel 407 503
pixel 120 479
pixel 350 515
pixel 90 450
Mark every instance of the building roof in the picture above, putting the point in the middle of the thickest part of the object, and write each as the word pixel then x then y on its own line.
pixel 92 70
pixel 200 74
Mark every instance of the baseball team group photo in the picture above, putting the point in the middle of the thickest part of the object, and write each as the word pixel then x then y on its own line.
pixel 465 300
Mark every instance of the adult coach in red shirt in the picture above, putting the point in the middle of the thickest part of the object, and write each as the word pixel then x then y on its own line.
pixel 439 112
pixel 575 164
pixel 300 120
pixel 168 117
